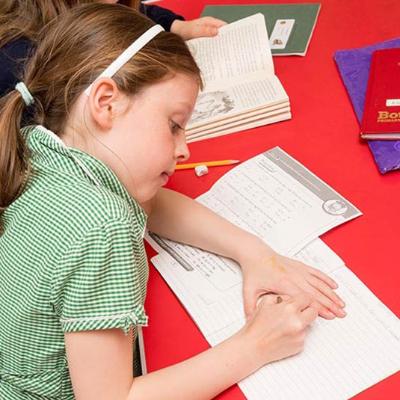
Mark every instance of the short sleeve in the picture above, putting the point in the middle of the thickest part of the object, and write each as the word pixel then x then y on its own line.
pixel 98 283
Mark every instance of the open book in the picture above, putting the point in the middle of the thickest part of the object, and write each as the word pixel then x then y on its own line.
pixel 241 90
pixel 299 20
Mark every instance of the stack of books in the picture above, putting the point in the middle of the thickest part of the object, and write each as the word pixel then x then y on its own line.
pixel 381 118
pixel 241 90
pixel 354 68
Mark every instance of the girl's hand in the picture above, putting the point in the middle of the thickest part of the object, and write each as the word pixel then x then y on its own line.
pixel 201 27
pixel 281 275
pixel 278 327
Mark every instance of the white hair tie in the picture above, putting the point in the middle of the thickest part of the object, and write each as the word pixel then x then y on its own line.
pixel 25 93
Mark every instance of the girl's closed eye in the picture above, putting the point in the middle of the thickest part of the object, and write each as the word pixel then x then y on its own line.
pixel 175 127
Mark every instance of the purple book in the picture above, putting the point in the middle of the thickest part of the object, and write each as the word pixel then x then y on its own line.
pixel 353 66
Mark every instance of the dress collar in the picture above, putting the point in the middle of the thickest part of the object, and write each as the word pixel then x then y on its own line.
pixel 47 148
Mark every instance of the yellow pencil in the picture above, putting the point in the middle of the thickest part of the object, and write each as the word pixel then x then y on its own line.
pixel 207 163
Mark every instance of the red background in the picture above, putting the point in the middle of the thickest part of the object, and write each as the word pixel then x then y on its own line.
pixel 323 135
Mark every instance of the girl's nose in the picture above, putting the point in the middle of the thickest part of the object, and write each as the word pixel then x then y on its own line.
pixel 182 150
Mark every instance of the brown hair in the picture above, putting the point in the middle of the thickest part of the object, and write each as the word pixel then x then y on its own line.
pixel 25 18
pixel 130 3
pixel 73 51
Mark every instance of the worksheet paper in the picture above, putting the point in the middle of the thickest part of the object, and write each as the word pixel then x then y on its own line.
pixel 278 199
pixel 274 197
pixel 341 358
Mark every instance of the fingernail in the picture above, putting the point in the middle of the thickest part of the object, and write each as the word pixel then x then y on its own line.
pixel 342 313
pixel 330 315
pixel 339 302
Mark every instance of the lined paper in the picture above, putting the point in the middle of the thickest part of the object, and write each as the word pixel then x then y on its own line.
pixel 341 358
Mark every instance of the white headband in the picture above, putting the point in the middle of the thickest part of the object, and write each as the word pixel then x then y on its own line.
pixel 127 54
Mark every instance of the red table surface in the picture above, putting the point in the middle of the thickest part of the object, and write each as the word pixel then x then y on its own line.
pixel 323 135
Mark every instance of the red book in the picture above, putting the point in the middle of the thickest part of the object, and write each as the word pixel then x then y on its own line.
pixel 381 118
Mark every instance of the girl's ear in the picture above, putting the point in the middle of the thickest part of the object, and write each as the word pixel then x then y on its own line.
pixel 104 99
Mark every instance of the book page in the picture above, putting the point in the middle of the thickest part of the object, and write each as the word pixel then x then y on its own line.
pixel 254 123
pixel 231 123
pixel 281 107
pixel 341 358
pixel 240 48
pixel 222 101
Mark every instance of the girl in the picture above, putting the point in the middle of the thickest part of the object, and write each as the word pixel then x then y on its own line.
pixel 21 21
pixel 76 191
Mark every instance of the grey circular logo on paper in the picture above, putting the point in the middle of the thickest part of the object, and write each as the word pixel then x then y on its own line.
pixel 335 207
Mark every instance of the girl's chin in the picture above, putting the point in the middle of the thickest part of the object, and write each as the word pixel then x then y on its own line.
pixel 148 192
pixel 147 195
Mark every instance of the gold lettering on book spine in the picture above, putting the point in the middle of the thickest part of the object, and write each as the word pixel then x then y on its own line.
pixel 386 116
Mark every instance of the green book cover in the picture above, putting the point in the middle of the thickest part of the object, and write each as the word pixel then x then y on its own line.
pixel 304 14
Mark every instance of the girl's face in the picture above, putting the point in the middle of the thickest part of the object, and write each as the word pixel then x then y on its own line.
pixel 148 139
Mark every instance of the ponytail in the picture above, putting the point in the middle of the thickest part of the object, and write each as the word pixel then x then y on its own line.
pixel 14 166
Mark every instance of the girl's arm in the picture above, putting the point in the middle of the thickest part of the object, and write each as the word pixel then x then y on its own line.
pixel 100 365
pixel 100 362
pixel 179 218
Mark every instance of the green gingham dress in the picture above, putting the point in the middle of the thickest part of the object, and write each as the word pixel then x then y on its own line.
pixel 71 259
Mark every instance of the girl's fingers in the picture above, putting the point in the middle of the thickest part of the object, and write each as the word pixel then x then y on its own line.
pixel 323 311
pixel 210 30
pixel 323 277
pixel 204 29
pixel 268 299
pixel 302 301
pixel 326 290
pixel 308 315
pixel 250 300
pixel 325 305
pixel 325 301
pixel 213 21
